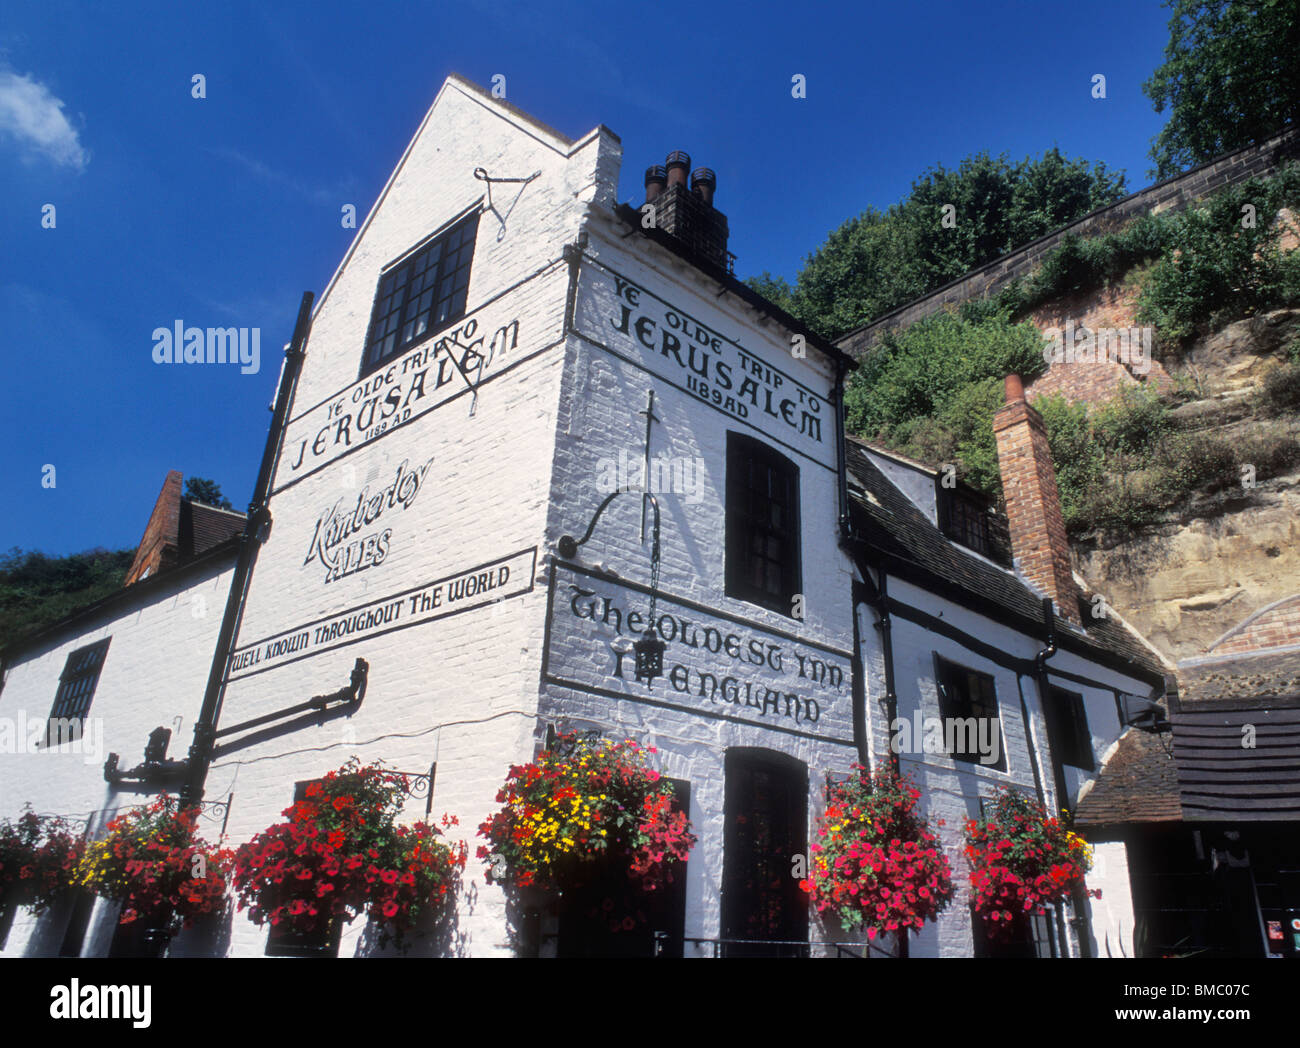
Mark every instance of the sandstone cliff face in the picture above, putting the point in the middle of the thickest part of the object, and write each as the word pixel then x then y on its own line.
pixel 1186 582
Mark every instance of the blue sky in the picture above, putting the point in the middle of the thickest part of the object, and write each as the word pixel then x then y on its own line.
pixel 221 211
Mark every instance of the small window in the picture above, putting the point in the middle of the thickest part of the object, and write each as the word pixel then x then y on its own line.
pixel 762 525
pixel 968 704
pixel 966 518
pixel 1067 729
pixel 76 690
pixel 421 294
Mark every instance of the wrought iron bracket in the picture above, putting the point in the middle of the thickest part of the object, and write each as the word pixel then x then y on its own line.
pixel 352 695
pixel 155 770
pixel 482 175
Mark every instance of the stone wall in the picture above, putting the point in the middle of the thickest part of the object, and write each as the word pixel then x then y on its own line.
pixel 1172 193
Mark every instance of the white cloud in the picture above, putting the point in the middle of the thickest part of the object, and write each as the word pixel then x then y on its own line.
pixel 34 118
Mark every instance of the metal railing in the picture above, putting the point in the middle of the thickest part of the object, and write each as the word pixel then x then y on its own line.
pixel 717 946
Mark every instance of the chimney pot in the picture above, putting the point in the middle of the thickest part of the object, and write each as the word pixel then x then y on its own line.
pixel 678 164
pixel 703 183
pixel 655 179
pixel 1015 388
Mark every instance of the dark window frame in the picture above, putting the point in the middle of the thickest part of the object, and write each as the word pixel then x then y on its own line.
pixel 77 686
pixel 965 516
pixel 748 461
pixel 963 702
pixel 1068 733
pixel 747 881
pixel 406 293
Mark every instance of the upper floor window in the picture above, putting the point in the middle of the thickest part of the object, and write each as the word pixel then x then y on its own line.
pixel 966 518
pixel 1067 729
pixel 76 690
pixel 422 293
pixel 762 524
pixel 968 704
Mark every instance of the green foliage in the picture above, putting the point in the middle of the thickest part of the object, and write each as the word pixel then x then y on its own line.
pixel 1133 422
pixel 1231 76
pixel 1272 453
pixel 37 590
pixel 1077 455
pixel 200 489
pixel 916 372
pixel 1081 264
pixel 775 289
pixel 1217 266
pixel 878 260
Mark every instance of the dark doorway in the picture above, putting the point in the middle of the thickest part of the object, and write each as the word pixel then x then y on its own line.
pixel 766 822
pixel 612 917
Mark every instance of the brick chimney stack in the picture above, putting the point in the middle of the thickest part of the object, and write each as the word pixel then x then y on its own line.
pixel 688 213
pixel 160 545
pixel 1038 540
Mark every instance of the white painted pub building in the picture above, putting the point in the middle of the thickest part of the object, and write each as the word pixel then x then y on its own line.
pixel 434 555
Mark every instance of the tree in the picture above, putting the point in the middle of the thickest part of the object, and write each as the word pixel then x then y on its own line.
pixel 37 590
pixel 1231 77
pixel 950 222
pixel 200 489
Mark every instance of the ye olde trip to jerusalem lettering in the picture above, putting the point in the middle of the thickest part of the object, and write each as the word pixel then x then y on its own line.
pixel 740 676
pixel 404 390
pixel 744 387
pixel 337 525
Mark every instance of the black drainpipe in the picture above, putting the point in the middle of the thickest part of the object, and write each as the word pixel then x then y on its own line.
pixel 1058 777
pixel 255 532
pixel 859 683
pixel 841 463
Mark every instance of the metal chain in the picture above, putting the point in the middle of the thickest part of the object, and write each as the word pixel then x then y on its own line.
pixel 654 568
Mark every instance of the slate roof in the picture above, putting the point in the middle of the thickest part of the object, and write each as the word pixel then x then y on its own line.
pixel 1236 727
pixel 905 538
pixel 203 526
pixel 1138 783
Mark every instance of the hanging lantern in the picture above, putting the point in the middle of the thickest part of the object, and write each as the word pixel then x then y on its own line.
pixel 649 651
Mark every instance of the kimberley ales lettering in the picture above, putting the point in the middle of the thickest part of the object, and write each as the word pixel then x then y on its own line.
pixel 741 658
pixel 333 542
pixel 758 390
pixel 392 396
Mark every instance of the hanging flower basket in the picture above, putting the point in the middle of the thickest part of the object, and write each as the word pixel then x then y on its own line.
pixel 1021 862
pixel 38 860
pixel 155 863
pixel 583 808
pixel 877 864
pixel 340 853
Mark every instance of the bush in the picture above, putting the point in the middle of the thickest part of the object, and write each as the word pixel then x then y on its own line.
pixel 1134 422
pixel 1077 455
pixel 916 372
pixel 1192 462
pixel 1272 454
pixel 1081 264
pixel 1216 267
pixel 1279 393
